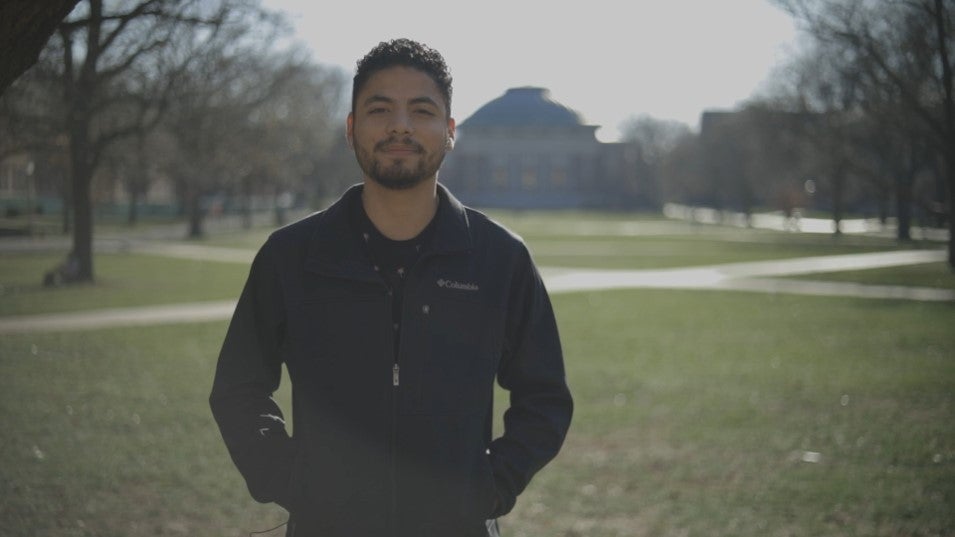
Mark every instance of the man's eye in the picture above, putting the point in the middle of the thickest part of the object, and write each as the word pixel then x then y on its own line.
pixel 377 111
pixel 424 112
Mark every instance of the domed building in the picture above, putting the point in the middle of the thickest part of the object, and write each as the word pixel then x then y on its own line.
pixel 523 150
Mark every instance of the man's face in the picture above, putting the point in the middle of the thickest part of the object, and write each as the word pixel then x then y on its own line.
pixel 399 128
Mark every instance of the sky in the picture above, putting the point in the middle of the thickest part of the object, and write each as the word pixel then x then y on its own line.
pixel 609 60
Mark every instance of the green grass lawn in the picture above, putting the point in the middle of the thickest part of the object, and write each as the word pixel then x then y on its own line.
pixel 698 413
pixel 123 279
pixel 108 433
pixel 695 412
pixel 937 275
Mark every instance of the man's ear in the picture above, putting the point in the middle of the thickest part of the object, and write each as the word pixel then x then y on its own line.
pixel 350 130
pixel 451 133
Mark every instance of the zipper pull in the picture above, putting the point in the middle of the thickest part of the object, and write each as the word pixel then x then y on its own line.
pixel 394 375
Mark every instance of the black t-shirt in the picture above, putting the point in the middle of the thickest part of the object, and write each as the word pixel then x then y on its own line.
pixel 391 259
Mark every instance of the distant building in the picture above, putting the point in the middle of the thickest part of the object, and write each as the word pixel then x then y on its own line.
pixel 524 150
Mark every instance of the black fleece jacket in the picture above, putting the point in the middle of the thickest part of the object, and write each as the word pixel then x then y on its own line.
pixel 390 443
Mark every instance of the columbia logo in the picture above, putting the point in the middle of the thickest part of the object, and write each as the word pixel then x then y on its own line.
pixel 451 284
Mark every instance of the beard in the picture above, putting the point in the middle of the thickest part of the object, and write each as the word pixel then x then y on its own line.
pixel 396 173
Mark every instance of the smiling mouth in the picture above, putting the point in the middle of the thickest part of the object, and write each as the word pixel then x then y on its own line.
pixel 406 148
pixel 401 150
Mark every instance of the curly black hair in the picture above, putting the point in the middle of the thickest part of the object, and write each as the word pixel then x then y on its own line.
pixel 406 53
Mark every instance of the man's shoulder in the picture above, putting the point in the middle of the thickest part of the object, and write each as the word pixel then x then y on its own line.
pixel 329 220
pixel 293 240
pixel 298 231
pixel 494 232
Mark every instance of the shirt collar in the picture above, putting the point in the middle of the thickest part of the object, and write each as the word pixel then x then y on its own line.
pixel 334 246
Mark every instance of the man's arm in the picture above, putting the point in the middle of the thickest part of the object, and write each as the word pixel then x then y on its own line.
pixel 532 370
pixel 248 372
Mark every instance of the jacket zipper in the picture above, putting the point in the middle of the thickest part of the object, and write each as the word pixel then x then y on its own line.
pixel 396 383
pixel 394 447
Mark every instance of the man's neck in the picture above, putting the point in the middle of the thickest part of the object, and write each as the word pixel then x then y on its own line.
pixel 400 214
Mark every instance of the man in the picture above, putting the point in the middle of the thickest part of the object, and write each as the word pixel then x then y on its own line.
pixel 394 311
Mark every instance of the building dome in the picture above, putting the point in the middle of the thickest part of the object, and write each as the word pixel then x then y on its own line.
pixel 527 106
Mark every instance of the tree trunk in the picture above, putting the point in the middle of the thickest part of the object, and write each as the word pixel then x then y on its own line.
pixel 949 120
pixel 883 208
pixel 194 208
pixel 67 216
pixel 950 172
pixel 246 208
pixel 132 216
pixel 82 200
pixel 79 86
pixel 139 183
pixel 838 193
pixel 903 209
pixel 903 204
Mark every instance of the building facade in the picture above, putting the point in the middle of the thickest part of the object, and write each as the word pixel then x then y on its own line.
pixel 523 150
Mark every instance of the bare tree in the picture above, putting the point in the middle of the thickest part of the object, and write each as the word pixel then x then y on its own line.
pixel 288 141
pixel 682 178
pixel 777 158
pixel 897 49
pixel 653 140
pixel 656 137
pixel 726 141
pixel 231 116
pixel 192 88
pixel 116 74
pixel 31 125
pixel 131 164
pixel 826 94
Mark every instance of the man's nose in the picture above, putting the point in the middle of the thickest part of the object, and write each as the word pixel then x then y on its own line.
pixel 400 123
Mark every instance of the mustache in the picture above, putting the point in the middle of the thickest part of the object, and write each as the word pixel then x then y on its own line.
pixel 383 145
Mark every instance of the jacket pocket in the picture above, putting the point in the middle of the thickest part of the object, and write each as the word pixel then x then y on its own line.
pixel 461 357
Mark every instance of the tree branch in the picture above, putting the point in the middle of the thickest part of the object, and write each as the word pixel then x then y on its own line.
pixel 25 27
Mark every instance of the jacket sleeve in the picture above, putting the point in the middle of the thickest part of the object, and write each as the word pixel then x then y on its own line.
pixel 248 372
pixel 532 370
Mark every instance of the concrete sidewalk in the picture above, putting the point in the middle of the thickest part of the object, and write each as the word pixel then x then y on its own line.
pixel 753 277
pixel 736 275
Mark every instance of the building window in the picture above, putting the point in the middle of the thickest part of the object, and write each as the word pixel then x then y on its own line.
pixel 499 175
pixel 529 173
pixel 558 177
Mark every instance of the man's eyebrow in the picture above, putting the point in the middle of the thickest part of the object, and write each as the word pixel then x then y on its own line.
pixel 388 100
pixel 423 100
pixel 377 99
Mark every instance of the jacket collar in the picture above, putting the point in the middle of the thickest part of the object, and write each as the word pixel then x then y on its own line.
pixel 334 249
